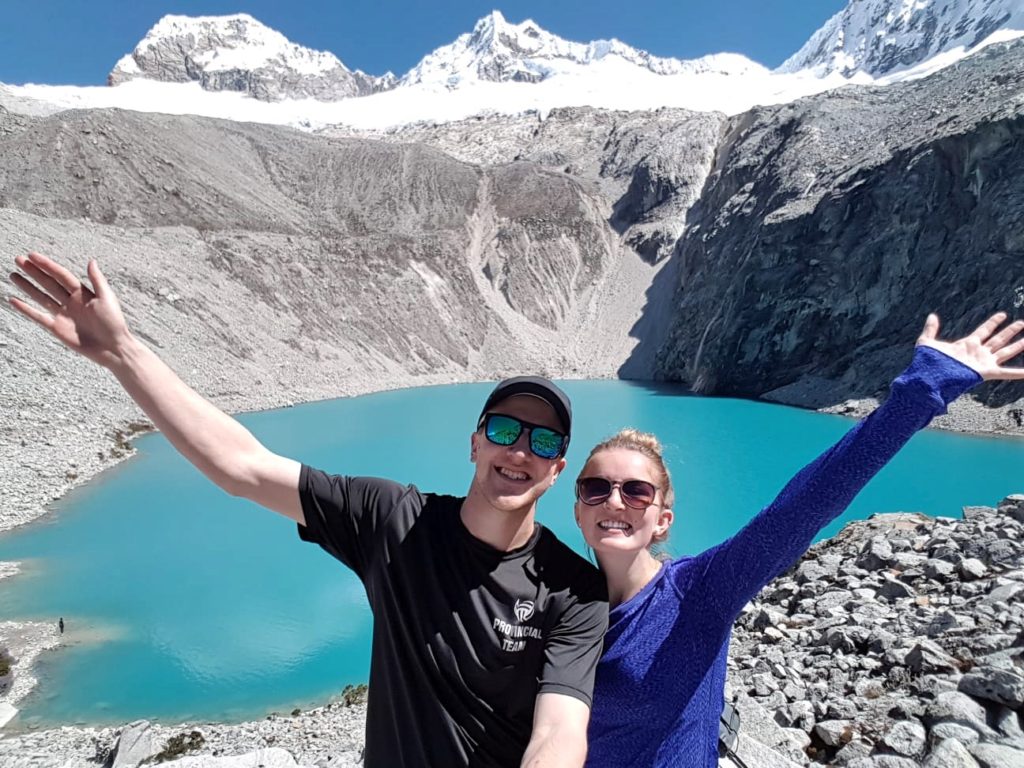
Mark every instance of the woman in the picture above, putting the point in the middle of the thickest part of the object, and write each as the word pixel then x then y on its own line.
pixel 659 688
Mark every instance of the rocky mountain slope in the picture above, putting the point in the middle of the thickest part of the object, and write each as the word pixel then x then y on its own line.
pixel 809 247
pixel 830 226
pixel 649 167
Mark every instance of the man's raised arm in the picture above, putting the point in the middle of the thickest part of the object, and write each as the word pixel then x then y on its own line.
pixel 91 323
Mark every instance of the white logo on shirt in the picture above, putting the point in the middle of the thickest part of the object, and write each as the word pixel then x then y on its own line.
pixel 523 610
pixel 513 637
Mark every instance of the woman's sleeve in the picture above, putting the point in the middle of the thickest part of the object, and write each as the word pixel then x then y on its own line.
pixel 730 574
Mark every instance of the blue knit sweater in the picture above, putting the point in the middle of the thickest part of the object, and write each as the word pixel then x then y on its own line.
pixel 659 687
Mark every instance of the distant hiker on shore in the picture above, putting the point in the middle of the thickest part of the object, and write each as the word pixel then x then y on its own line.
pixel 659 689
pixel 487 629
pixel 60 624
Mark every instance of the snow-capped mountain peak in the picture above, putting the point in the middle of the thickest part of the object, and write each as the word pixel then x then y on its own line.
pixel 238 53
pixel 499 51
pixel 239 42
pixel 493 34
pixel 879 37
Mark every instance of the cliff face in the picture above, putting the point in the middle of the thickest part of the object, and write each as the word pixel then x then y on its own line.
pixel 830 227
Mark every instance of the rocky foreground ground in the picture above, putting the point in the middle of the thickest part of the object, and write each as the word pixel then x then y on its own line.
pixel 898 643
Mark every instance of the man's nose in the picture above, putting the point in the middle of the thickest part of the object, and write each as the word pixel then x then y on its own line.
pixel 522 444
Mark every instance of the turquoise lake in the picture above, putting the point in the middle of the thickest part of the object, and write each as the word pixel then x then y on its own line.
pixel 182 602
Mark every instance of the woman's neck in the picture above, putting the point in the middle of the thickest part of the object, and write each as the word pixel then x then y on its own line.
pixel 627 573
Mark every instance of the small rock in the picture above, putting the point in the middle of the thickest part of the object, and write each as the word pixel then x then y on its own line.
pixel 956 707
pixel 906 738
pixel 939 570
pixel 927 657
pixel 950 753
pixel 875 555
pixel 997 756
pixel 972 568
pixel 834 733
pixel 962 734
pixel 1013 506
pixel 1007 722
pixel 893 589
pixel 136 745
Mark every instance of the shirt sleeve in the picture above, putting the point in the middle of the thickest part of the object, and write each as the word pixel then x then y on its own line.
pixel 346 516
pixel 574 645
pixel 730 574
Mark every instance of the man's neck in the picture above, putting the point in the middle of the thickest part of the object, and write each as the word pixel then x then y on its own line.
pixel 502 529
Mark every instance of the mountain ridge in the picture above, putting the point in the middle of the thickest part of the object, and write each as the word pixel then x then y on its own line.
pixel 499 51
pixel 880 37
pixel 234 67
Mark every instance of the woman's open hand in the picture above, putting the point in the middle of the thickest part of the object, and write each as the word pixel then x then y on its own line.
pixel 985 350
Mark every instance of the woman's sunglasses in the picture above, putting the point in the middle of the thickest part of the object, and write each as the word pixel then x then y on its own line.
pixel 505 430
pixel 638 494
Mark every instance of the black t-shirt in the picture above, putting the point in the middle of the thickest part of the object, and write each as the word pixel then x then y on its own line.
pixel 465 636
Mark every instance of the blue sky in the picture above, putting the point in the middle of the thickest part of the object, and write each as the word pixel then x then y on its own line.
pixel 78 41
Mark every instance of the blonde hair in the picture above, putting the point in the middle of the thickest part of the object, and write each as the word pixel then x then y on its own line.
pixel 647 445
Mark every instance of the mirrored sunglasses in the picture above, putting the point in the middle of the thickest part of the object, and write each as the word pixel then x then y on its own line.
pixel 545 442
pixel 638 494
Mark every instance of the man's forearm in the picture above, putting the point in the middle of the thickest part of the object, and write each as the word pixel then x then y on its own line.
pixel 560 744
pixel 210 439
pixel 553 749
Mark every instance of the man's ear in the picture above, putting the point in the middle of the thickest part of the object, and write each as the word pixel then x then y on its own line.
pixel 472 447
pixel 559 466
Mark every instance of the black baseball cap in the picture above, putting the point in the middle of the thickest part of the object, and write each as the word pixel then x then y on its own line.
pixel 536 386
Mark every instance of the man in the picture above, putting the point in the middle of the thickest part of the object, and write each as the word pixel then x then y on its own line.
pixel 487 629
